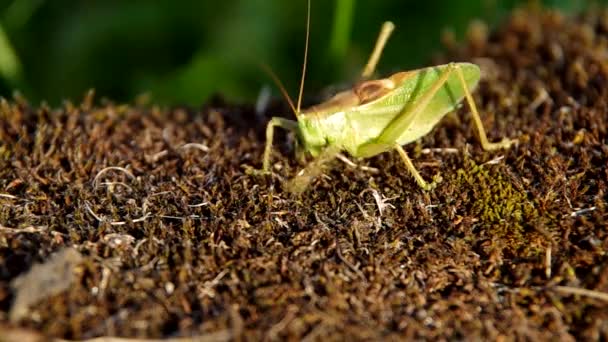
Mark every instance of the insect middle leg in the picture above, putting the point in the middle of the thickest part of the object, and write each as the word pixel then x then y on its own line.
pixel 275 122
pixel 412 169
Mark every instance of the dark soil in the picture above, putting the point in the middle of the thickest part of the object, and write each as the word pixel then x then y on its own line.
pixel 185 242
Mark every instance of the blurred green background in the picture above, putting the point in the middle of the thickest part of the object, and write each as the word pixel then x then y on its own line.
pixel 182 52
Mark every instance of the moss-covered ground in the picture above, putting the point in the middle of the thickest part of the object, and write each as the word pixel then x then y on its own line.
pixel 175 238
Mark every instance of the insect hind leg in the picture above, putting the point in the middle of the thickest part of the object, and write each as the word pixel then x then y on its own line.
pixel 388 138
pixel 483 138
pixel 385 33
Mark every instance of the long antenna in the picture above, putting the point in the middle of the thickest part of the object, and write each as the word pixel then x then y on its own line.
pixel 279 84
pixel 305 59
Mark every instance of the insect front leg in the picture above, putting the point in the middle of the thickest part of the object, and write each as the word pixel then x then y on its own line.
pixel 275 122
pixel 483 138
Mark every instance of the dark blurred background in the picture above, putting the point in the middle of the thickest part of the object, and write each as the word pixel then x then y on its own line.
pixel 182 52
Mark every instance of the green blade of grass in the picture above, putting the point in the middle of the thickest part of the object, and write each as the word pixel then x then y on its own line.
pixel 340 36
pixel 10 67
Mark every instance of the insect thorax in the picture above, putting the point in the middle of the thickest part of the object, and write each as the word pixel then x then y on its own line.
pixel 319 131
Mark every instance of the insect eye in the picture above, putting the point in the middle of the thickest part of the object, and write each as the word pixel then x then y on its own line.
pixel 369 91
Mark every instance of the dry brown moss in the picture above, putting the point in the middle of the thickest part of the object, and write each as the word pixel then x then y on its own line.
pixel 182 241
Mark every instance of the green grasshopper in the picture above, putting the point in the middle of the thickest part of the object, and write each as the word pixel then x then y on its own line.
pixel 380 115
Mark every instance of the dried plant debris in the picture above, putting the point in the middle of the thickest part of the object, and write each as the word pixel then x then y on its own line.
pixel 54 276
pixel 178 240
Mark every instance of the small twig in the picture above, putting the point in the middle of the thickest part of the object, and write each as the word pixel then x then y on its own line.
pixel 273 332
pixel 365 214
pixel 582 211
pixel 567 290
pixel 156 156
pixel 197 146
pixel 198 205
pixel 106 272
pixel 109 184
pixel 348 263
pixel 29 229
pixel 222 335
pixel 179 217
pixel 542 97
pixel 208 286
pixel 348 162
pixel 114 223
pixel 109 168
pixel 548 262
pixel 494 161
pixel 439 150
pixel 581 292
